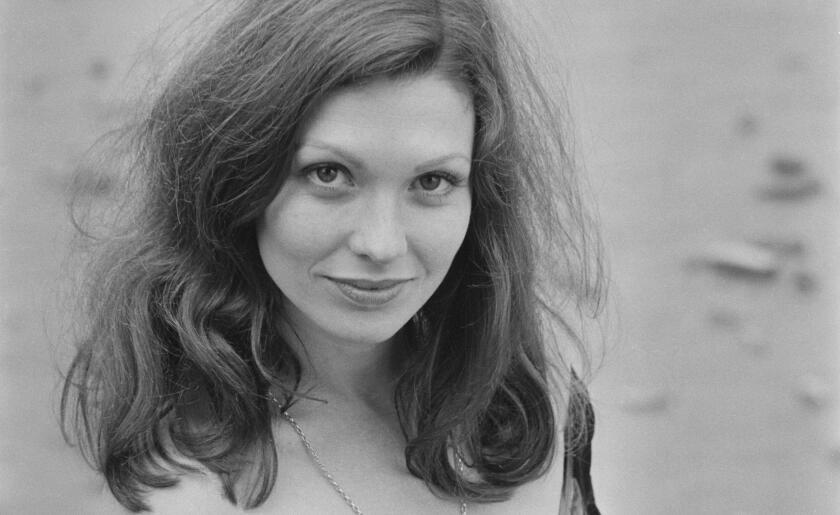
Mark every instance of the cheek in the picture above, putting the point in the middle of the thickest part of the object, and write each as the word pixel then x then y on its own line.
pixel 441 236
pixel 291 236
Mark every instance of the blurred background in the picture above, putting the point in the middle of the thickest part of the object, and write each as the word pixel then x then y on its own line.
pixel 708 133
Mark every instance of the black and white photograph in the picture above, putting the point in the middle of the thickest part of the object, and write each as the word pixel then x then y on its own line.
pixel 414 257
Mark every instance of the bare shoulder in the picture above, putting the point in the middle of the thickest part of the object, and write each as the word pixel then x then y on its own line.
pixel 542 495
pixel 197 493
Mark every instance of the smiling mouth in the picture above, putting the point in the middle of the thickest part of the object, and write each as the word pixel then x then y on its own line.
pixel 369 293
pixel 367 284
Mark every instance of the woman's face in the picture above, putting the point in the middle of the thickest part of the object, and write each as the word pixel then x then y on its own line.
pixel 376 205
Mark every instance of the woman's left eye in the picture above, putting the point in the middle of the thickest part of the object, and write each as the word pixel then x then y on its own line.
pixel 430 182
pixel 437 183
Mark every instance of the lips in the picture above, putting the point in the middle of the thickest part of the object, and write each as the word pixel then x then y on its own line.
pixel 368 284
pixel 368 292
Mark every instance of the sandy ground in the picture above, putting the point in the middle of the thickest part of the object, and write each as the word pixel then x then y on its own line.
pixel 703 127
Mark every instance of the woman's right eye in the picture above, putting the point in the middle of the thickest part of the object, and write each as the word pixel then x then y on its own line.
pixel 329 175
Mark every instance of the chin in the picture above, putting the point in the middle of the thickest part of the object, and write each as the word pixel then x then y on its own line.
pixel 347 327
pixel 368 333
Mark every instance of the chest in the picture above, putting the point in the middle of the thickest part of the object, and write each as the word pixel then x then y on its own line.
pixel 373 476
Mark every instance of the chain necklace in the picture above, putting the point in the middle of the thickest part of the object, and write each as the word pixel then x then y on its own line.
pixel 313 455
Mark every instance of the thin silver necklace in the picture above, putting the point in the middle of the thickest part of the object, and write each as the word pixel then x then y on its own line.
pixel 313 455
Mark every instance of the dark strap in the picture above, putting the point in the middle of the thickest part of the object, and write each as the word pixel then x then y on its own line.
pixel 578 458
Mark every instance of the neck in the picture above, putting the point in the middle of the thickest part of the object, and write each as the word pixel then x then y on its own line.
pixel 347 374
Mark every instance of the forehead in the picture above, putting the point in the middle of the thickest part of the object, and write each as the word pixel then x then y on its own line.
pixel 429 110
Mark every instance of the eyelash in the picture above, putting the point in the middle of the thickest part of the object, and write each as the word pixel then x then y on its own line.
pixel 311 171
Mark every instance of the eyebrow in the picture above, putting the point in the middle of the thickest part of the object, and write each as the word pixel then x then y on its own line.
pixel 359 163
pixel 346 156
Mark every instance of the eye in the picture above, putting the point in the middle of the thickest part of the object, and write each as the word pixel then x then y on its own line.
pixel 325 173
pixel 430 182
pixel 328 174
pixel 437 183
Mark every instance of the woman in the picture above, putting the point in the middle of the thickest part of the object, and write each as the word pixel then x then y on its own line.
pixel 358 231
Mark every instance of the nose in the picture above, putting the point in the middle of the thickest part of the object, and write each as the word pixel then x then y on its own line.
pixel 378 232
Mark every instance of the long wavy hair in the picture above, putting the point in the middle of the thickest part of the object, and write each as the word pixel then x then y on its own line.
pixel 182 340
